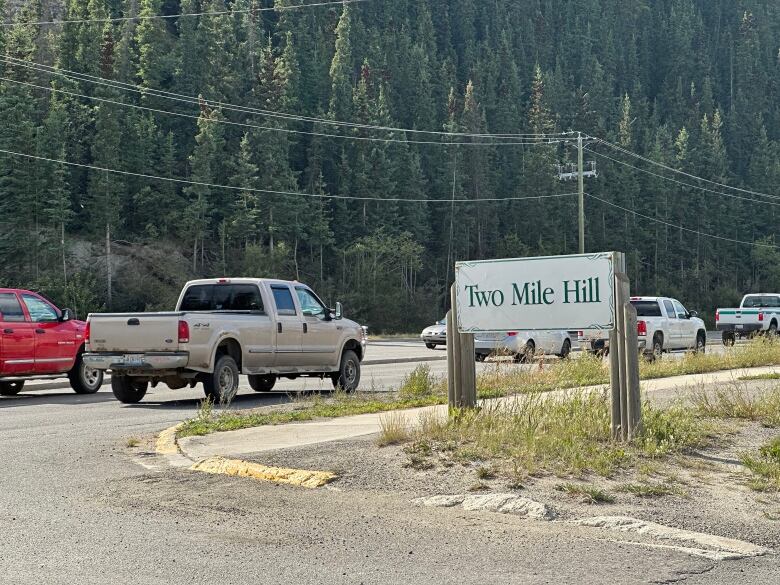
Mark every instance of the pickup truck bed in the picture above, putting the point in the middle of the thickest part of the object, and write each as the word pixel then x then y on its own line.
pixel 757 313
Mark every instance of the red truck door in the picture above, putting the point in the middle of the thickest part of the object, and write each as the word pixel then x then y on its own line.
pixel 17 338
pixel 55 341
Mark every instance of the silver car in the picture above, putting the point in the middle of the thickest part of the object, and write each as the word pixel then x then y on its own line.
pixel 435 335
pixel 522 345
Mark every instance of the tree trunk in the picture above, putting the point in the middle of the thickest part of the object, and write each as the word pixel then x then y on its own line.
pixel 64 263
pixel 109 296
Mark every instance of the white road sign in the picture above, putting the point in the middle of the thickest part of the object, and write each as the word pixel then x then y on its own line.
pixel 555 292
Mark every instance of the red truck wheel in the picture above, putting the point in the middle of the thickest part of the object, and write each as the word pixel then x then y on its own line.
pixel 84 380
pixel 11 388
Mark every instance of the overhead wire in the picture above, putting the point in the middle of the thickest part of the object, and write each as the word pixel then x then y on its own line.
pixel 184 14
pixel 681 183
pixel 273 128
pixel 271 191
pixel 257 111
pixel 680 172
pixel 679 227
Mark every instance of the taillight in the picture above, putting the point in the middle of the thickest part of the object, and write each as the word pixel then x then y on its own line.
pixel 760 316
pixel 86 333
pixel 511 333
pixel 641 328
pixel 717 315
pixel 184 332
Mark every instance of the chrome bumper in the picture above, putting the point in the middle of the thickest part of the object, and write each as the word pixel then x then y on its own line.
pixel 139 361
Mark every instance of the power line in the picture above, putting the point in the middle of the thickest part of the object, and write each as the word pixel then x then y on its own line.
pixel 274 129
pixel 270 191
pixel 672 169
pixel 682 183
pixel 679 227
pixel 258 111
pixel 185 14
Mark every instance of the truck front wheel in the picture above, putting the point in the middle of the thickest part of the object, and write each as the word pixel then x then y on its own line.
pixel 127 390
pixel 222 385
pixel 262 383
pixel 348 376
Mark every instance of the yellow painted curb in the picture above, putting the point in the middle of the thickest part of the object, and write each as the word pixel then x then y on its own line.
pixel 237 467
pixel 166 441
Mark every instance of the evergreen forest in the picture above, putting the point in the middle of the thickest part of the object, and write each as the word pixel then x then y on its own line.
pixel 364 147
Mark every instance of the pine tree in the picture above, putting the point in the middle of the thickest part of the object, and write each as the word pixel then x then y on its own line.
pixel 204 172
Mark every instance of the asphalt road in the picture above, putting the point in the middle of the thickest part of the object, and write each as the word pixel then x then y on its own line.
pixel 76 506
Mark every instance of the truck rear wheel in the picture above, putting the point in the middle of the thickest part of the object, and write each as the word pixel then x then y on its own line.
pixel 262 383
pixel 127 390
pixel 84 380
pixel 729 338
pixel 348 376
pixel 221 386
pixel 11 388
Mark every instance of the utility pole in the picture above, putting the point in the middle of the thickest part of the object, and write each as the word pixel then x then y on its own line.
pixel 581 180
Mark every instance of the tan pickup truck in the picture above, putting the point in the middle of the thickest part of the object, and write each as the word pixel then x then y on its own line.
pixel 221 328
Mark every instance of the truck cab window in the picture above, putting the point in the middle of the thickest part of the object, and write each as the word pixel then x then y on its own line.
pixel 310 304
pixel 284 301
pixel 670 312
pixel 10 309
pixel 197 298
pixel 246 297
pixel 647 308
pixel 40 311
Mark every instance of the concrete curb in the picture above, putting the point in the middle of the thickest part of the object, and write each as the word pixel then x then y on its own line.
pixel 166 441
pixel 280 475
pixel 717 547
pixel 167 445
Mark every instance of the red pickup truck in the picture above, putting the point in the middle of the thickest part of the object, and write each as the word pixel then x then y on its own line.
pixel 38 340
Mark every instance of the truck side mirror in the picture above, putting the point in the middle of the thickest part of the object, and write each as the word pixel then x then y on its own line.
pixel 339 311
pixel 67 315
pixel 693 314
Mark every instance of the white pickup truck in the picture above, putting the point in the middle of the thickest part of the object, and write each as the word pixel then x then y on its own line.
pixel 663 325
pixel 758 313
pixel 221 328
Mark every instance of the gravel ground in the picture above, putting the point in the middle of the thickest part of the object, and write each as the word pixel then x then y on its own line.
pixel 713 496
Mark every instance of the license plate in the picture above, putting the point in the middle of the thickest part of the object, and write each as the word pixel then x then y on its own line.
pixel 133 360
pixel 740 326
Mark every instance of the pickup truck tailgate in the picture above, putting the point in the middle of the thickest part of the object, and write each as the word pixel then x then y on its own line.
pixel 134 332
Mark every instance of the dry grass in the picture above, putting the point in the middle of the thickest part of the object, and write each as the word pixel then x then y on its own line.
pixel 765 467
pixel 590 494
pixel 735 401
pixel 564 435
pixel 395 430
pixel 651 490
pixel 420 382
pixel 133 442
pixel 588 370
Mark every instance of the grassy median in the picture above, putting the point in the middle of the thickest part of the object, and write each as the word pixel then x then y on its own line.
pixel 568 436
pixel 422 388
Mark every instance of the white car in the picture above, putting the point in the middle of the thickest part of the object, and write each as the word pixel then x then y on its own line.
pixel 435 335
pixel 522 345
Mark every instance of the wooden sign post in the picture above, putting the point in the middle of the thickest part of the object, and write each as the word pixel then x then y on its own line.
pixel 585 291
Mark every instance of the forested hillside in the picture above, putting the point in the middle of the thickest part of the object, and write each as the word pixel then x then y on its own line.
pixel 270 143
